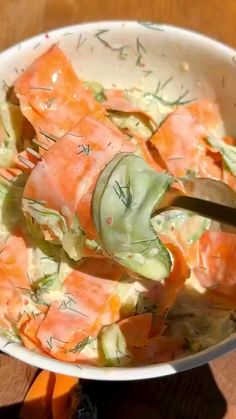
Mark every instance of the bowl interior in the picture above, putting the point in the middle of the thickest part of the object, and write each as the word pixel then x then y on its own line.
pixel 134 55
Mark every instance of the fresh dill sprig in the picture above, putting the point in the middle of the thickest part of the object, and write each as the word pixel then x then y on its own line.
pixel 37 45
pixel 80 41
pixel 51 339
pixel 81 345
pixel 178 101
pixel 48 89
pixel 147 72
pixel 5 85
pixel 166 82
pixel 86 149
pixel 140 50
pixel 122 55
pixel 153 26
pixel 66 305
pixel 124 193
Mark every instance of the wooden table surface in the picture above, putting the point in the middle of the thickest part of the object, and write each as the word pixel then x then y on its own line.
pixel 205 392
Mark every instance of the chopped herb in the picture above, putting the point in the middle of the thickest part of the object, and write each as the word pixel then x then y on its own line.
pixel 86 149
pixel 223 82
pixel 175 158
pixel 65 305
pixel 37 45
pixel 70 298
pixel 49 89
pixel 120 50
pixel 16 70
pixel 49 102
pixel 153 26
pixel 166 82
pixel 73 134
pixel 158 87
pixel 35 201
pixel 117 356
pixel 122 55
pixel 50 341
pixel 108 145
pixel 123 193
pixel 5 85
pixel 147 73
pixel 178 101
pixel 67 33
pixel 81 345
pixel 143 241
pixel 80 42
pixel 150 308
pixel 6 344
pixel 140 50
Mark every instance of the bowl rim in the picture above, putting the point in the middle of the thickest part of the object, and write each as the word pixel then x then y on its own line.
pixel 123 373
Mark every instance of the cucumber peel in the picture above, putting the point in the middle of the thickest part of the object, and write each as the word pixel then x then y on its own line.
pixel 114 346
pixel 126 193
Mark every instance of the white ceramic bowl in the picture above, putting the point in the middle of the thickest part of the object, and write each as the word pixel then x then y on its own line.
pixel 109 52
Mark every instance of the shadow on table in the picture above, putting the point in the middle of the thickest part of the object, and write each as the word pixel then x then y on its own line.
pixel 10 412
pixel 191 394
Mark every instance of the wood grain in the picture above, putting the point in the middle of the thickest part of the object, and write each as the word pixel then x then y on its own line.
pixel 206 392
pixel 23 18
pixel 17 378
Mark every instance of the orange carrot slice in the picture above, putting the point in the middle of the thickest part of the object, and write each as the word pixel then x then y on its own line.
pixel 38 401
pixel 157 349
pixel 71 321
pixel 62 394
pixel 167 292
pixel 79 156
pixel 136 329
pixel 148 155
pixel 217 266
pixel 116 101
pixel 179 140
pixel 52 97
pixel 13 278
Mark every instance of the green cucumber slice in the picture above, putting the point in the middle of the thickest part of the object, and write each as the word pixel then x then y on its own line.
pixel 114 346
pixel 124 198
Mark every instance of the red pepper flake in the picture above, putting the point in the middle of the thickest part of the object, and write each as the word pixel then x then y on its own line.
pixel 109 220
pixel 46 36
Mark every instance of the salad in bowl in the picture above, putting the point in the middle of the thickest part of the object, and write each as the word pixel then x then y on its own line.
pixel 88 275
